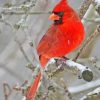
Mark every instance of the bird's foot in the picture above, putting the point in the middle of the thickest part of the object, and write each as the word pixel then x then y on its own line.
pixel 61 61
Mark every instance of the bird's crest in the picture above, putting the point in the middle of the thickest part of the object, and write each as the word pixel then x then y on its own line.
pixel 63 1
pixel 62 5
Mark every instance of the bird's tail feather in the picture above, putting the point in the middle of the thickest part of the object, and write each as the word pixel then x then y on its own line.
pixel 32 90
pixel 43 61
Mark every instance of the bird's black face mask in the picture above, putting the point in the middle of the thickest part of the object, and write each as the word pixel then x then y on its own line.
pixel 60 14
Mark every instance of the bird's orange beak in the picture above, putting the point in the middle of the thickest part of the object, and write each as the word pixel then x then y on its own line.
pixel 54 17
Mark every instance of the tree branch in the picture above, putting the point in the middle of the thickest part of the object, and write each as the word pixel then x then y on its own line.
pixel 88 41
pixel 84 7
pixel 90 95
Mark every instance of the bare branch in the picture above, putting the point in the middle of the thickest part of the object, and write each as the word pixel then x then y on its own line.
pixel 22 88
pixel 84 87
pixel 22 13
pixel 93 35
pixel 30 65
pixel 6 23
pixel 95 93
pixel 66 89
pixel 88 41
pixel 76 68
pixel 51 71
pixel 7 90
pixel 84 7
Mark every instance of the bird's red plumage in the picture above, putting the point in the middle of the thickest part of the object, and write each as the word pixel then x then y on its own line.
pixel 60 39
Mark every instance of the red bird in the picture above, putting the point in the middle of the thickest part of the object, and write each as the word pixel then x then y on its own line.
pixel 64 36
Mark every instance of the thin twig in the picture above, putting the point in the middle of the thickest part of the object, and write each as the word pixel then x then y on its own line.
pixel 31 66
pixel 19 23
pixel 6 23
pixel 94 60
pixel 97 31
pixel 7 90
pixel 23 52
pixel 22 13
pixel 66 89
pixel 22 7
pixel 88 41
pixel 22 88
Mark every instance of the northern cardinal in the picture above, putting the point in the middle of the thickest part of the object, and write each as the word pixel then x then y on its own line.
pixel 63 36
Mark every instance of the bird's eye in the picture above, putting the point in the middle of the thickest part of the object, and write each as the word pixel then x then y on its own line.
pixel 59 13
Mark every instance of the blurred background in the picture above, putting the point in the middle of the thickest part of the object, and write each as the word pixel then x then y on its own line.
pixel 12 61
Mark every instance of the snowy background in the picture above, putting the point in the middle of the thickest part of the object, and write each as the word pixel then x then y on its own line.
pixel 12 62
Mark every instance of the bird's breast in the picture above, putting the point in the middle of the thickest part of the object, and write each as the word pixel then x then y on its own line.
pixel 72 34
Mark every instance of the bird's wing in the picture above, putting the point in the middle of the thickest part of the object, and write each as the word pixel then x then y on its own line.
pixel 49 40
pixel 58 42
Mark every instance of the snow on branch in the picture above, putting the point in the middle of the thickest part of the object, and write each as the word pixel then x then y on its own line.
pixel 84 7
pixel 84 18
pixel 54 68
pixel 84 87
pixel 92 94
pixel 21 9
pixel 64 65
